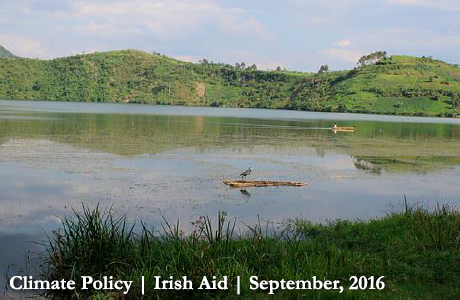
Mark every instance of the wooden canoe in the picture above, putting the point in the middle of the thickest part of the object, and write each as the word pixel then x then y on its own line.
pixel 343 128
pixel 261 183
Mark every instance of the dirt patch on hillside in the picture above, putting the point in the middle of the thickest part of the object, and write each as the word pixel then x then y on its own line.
pixel 200 89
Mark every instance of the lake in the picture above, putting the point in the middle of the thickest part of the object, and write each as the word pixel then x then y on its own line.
pixel 164 161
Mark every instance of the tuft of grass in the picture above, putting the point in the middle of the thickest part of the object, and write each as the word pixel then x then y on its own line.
pixel 94 242
pixel 416 249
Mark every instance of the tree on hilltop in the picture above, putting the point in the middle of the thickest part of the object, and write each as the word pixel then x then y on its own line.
pixel 204 61
pixel 323 69
pixel 253 67
pixel 372 58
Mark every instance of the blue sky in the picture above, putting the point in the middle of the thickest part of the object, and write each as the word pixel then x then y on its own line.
pixel 296 34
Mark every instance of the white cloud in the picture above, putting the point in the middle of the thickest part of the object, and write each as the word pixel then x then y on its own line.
pixel 249 27
pixel 450 5
pixel 328 4
pixel 404 2
pixel 107 29
pixel 343 43
pixel 269 65
pixel 315 20
pixel 22 46
pixel 413 39
pixel 342 54
pixel 263 62
pixel 186 58
pixel 164 18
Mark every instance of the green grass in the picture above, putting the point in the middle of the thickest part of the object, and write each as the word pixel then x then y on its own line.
pixel 397 85
pixel 417 250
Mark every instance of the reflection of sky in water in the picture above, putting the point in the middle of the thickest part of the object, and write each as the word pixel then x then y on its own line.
pixel 45 171
pixel 183 184
pixel 18 253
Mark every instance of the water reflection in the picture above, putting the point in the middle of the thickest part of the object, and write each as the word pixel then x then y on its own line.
pixel 245 193
pixel 144 134
pixel 20 256
pixel 363 164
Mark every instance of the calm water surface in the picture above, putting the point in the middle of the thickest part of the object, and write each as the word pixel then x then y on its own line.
pixel 153 161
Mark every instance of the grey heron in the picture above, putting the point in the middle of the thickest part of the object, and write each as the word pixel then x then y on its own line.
pixel 245 173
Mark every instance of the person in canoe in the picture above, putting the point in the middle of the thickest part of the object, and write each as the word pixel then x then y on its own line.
pixel 334 126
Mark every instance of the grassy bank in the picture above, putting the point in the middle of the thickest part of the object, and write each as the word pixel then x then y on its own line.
pixel 417 250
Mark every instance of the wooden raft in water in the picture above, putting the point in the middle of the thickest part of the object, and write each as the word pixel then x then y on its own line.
pixel 261 183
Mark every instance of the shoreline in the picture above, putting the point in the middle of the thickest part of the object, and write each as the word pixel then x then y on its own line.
pixel 415 250
pixel 270 112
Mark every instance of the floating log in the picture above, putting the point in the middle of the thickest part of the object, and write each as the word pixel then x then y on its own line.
pixel 261 183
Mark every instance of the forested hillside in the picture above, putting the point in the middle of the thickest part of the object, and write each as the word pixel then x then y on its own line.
pixel 391 85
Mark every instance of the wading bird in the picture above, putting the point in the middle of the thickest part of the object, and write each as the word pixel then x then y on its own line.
pixel 245 173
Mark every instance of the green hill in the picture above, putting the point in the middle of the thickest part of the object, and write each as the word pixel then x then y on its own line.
pixel 4 53
pixel 395 85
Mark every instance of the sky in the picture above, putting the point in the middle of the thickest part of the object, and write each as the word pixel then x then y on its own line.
pixel 296 34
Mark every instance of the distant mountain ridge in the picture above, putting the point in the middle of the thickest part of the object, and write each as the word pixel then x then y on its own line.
pixel 403 85
pixel 4 53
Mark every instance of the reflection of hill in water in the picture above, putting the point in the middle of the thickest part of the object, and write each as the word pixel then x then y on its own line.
pixel 394 147
pixel 418 164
